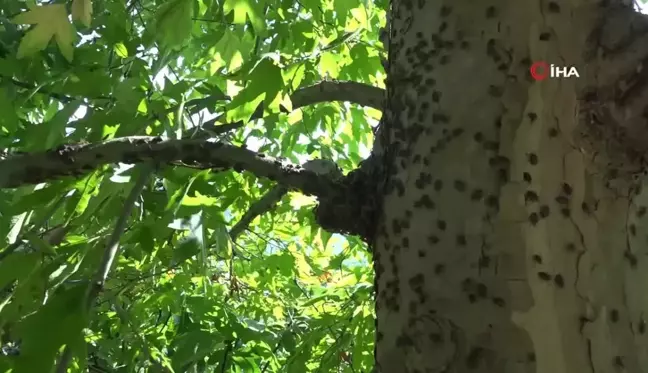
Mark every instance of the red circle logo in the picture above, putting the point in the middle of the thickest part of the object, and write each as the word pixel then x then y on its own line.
pixel 539 70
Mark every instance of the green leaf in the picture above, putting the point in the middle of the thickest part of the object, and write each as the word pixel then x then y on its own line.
pixel 40 244
pixel 51 21
pixel 61 319
pixel 194 346
pixel 15 266
pixel 288 341
pixel 128 95
pixel 35 198
pixel 330 65
pixel 9 120
pixel 146 239
pixel 5 364
pixel 173 22
pixel 187 248
pixel 57 124
pixel 244 10
pixel 228 52
pixel 82 11
pixel 334 296
pixel 325 236
pixel 222 242
pixel 284 263
pixel 264 83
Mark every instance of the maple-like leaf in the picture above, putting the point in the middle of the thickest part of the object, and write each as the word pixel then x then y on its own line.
pixel 174 22
pixel 244 10
pixel 82 11
pixel 51 21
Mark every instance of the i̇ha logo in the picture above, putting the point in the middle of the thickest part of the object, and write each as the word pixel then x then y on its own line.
pixel 541 70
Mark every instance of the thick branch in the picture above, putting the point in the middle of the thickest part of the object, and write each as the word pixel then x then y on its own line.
pixel 354 92
pixel 325 91
pixel 76 160
pixel 347 205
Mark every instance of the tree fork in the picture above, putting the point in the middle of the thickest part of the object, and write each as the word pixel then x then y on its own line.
pixel 505 244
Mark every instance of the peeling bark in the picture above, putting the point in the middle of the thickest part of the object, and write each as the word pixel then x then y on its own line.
pixel 509 238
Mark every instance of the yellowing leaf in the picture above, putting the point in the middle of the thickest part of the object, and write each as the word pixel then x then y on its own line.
pixel 199 199
pixel 359 19
pixel 295 116
pixel 50 21
pixel 142 107
pixel 348 129
pixel 82 11
pixel 278 312
pixel 329 65
pixel 121 50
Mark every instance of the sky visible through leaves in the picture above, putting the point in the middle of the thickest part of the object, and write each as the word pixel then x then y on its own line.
pixel 182 295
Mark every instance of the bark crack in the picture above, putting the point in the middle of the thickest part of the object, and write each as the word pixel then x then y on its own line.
pixel 589 355
pixel 581 238
pixel 578 259
pixel 627 237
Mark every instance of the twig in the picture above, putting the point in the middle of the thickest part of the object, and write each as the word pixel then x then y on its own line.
pixel 261 206
pixel 19 241
pixel 112 247
pixel 113 242
pixel 61 97
pixel 228 349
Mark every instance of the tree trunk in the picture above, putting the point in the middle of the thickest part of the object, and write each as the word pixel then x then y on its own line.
pixel 511 235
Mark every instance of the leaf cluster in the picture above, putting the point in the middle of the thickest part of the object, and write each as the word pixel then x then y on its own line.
pixel 182 296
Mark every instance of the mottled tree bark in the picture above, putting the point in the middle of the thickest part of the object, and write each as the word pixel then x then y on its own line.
pixel 511 235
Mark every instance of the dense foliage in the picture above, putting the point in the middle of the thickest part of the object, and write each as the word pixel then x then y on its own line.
pixel 182 295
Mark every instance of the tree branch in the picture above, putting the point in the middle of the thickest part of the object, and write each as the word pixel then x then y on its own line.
pixel 77 160
pixel 259 207
pixel 333 90
pixel 324 91
pixel 346 205
pixel 328 91
pixel 61 97
pixel 113 243
pixel 110 253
